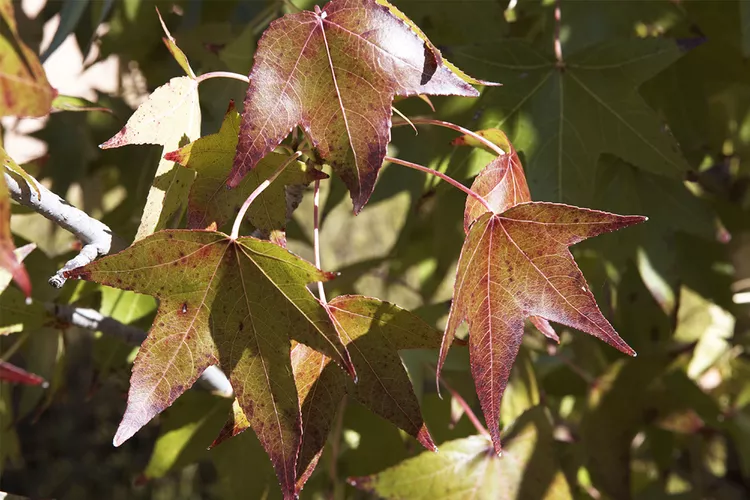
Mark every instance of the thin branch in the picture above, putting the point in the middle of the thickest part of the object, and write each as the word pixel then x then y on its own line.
pixel 458 128
pixel 97 237
pixel 262 187
pixel 222 74
pixel 446 178
pixel 316 237
pixel 467 409
pixel 558 44
pixel 213 378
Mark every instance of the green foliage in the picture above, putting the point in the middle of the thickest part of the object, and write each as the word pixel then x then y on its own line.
pixel 623 107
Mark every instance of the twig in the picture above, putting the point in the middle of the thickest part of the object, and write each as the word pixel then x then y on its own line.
pixel 458 128
pixel 467 409
pixel 316 237
pixel 222 74
pixel 446 178
pixel 90 319
pixel 97 237
pixel 262 187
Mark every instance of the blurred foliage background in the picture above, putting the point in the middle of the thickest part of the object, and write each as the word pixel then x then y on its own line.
pixel 651 116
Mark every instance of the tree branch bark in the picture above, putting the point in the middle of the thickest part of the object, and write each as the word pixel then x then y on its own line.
pixel 213 378
pixel 97 237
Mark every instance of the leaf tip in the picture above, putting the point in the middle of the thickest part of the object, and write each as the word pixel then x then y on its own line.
pixel 175 156
pixel 425 439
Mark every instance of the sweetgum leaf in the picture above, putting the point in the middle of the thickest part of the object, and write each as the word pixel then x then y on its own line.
pixel 373 332
pixel 23 83
pixel 588 108
pixel 467 468
pixel 170 117
pixel 515 265
pixel 361 56
pixel 20 254
pixel 9 261
pixel 210 200
pixel 232 303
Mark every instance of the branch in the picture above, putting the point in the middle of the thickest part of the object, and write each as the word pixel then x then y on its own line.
pixel 97 237
pixel 213 378
pixel 450 180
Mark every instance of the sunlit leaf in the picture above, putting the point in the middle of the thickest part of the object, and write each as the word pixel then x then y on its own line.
pixel 170 117
pixel 515 265
pixel 362 56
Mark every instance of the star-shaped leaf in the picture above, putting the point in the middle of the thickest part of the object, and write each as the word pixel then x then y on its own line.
pixel 563 119
pixel 515 265
pixel 225 302
pixel 467 468
pixel 24 87
pixel 336 76
pixel 210 200
pixel 170 117
pixel 373 332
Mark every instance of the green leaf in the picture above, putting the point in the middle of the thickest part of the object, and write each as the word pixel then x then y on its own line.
pixel 208 314
pixel 362 55
pixel 170 117
pixel 23 84
pixel 515 265
pixel 468 468
pixel 176 52
pixel 211 201
pixel 562 120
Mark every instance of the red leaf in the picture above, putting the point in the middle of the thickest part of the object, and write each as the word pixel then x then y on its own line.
pixel 336 76
pixel 12 373
pixel 516 265
pixel 502 184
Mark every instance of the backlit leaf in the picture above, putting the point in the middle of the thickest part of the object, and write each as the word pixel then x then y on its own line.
pixel 515 265
pixel 231 303
pixel 9 261
pixel 176 52
pixel 361 56
pixel 170 117
pixel 15 375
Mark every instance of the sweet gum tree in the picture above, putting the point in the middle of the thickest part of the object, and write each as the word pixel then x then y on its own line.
pixel 283 347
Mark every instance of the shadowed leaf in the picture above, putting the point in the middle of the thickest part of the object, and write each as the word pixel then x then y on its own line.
pixel 362 55
pixel 588 108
